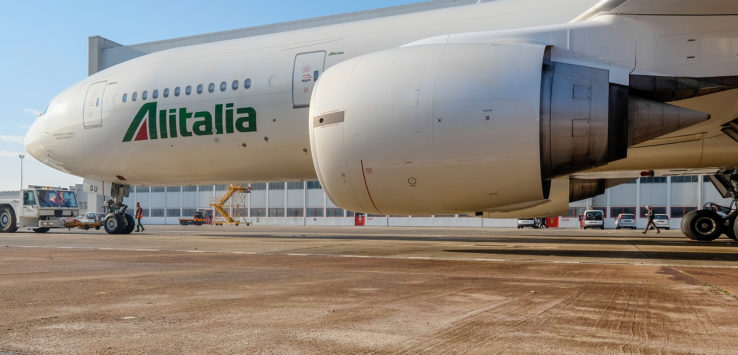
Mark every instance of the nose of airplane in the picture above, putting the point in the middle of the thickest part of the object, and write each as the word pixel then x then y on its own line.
pixel 35 139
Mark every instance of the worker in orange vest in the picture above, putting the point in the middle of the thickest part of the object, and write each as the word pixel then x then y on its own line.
pixel 139 215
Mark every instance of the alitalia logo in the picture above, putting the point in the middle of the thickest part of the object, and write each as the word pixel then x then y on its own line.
pixel 176 122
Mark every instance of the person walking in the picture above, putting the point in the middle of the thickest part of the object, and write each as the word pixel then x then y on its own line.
pixel 139 215
pixel 649 215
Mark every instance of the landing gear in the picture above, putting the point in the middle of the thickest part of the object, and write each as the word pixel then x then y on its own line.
pixel 703 225
pixel 714 220
pixel 117 221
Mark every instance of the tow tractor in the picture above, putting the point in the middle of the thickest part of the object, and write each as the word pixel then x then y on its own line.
pixel 198 219
pixel 39 209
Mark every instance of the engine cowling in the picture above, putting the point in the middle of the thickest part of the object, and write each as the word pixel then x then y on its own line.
pixel 470 127
pixel 430 129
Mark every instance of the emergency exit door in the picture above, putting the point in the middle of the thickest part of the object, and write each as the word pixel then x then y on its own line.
pixel 92 111
pixel 308 67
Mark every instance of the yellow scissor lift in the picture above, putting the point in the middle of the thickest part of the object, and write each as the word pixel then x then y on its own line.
pixel 230 191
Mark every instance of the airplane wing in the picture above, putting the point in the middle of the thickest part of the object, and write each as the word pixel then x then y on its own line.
pixel 660 7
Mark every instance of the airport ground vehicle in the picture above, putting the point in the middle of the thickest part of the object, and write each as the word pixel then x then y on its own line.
pixel 535 223
pixel 661 221
pixel 594 219
pixel 625 220
pixel 39 209
pixel 198 219
pixel 90 220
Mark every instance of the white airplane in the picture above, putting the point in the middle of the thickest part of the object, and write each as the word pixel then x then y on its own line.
pixel 513 107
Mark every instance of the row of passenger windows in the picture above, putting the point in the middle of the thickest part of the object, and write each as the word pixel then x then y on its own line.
pixel 187 90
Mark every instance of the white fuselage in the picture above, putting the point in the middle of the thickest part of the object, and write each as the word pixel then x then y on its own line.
pixel 87 138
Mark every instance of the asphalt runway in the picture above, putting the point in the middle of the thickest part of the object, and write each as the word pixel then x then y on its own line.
pixel 206 289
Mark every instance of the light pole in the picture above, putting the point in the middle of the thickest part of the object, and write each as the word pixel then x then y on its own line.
pixel 21 156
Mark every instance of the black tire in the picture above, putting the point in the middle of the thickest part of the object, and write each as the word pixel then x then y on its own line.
pixel 730 228
pixel 114 224
pixel 8 223
pixel 130 224
pixel 41 230
pixel 702 225
pixel 97 228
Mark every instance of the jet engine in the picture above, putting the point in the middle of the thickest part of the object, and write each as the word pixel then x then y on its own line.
pixel 457 128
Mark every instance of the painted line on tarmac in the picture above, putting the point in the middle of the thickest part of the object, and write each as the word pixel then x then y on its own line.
pixel 389 257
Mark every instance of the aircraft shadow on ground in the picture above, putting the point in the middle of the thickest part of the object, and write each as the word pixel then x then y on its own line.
pixel 615 254
pixel 523 239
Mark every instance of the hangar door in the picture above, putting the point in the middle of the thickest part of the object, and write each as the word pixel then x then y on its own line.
pixel 92 111
pixel 307 69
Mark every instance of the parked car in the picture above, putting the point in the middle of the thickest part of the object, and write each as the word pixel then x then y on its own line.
pixel 626 220
pixel 594 219
pixel 661 221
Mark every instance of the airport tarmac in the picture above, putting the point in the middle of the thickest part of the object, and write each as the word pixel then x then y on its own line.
pixel 262 289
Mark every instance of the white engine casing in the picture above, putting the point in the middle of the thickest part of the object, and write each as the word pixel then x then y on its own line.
pixel 432 129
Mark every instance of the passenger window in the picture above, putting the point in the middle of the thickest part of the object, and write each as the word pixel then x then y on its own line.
pixel 315 75
pixel 188 90
pixel 176 91
pixel 223 86
pixel 134 96
pixel 234 85
pixel 125 97
pixel 199 88
pixel 247 84
pixel 144 95
pixel 97 102
pixel 155 94
pixel 211 88
pixel 166 92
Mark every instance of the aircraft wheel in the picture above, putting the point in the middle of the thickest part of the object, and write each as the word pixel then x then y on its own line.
pixel 114 224
pixel 7 220
pixel 41 230
pixel 130 224
pixel 730 228
pixel 703 225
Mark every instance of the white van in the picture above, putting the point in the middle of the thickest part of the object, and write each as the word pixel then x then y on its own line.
pixel 594 219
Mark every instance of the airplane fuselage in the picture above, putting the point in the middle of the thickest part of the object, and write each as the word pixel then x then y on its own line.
pixel 231 111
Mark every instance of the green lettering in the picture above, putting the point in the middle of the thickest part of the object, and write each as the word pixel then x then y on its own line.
pixel 203 127
pixel 219 119
pixel 163 124
pixel 183 117
pixel 246 123
pixel 229 118
pixel 173 123
pixel 146 109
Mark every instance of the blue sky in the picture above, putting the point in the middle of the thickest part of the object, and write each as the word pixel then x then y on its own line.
pixel 45 50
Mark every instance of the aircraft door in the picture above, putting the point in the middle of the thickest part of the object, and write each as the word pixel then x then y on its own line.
pixel 92 111
pixel 307 69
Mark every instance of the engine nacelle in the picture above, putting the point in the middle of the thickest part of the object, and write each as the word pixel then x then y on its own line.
pixel 430 129
pixel 450 128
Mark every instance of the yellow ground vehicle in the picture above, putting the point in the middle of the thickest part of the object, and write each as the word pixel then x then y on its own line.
pixel 198 219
